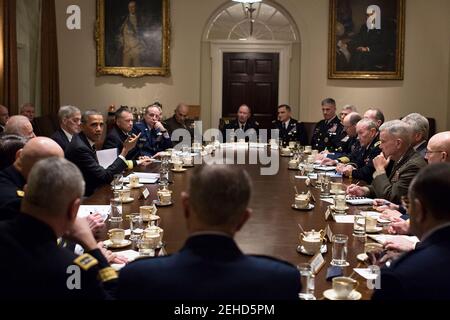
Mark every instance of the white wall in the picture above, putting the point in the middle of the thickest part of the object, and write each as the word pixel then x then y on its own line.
pixel 425 88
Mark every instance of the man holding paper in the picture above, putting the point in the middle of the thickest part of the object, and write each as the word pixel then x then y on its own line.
pixel 82 152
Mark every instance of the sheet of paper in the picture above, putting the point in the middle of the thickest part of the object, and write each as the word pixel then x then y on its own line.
pixel 86 210
pixel 383 238
pixel 311 176
pixel 144 177
pixel 106 157
pixel 344 218
pixel 129 254
pixel 325 168
pixel 366 273
pixel 329 200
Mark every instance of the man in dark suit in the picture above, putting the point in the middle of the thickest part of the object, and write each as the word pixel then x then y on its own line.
pixel 81 151
pixel 4 116
pixel 289 128
pixel 119 132
pixel 154 137
pixel 420 127
pixel 210 266
pixel 329 131
pixel 395 167
pixel 36 267
pixel 243 127
pixel 70 122
pixel 14 177
pixel 422 273
pixel 180 120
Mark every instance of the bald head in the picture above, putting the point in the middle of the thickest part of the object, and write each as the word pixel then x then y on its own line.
pixel 438 148
pixel 37 149
pixel 21 126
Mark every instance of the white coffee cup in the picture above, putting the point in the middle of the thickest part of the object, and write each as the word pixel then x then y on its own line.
pixel 301 201
pixel 343 286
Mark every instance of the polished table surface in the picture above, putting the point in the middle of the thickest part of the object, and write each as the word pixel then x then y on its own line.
pixel 271 230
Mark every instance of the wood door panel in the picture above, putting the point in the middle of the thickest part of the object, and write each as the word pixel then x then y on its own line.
pixel 251 78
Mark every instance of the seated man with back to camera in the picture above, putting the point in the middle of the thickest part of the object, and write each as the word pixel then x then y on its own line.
pixel 153 136
pixel 210 266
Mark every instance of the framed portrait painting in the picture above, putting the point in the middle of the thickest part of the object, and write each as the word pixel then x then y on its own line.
pixel 133 37
pixel 366 39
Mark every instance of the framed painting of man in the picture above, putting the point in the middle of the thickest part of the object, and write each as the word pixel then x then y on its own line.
pixel 133 37
pixel 366 39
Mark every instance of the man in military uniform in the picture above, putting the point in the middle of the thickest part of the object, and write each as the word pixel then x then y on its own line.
pixel 242 127
pixel 180 121
pixel 360 164
pixel 395 167
pixel 14 177
pixel 289 128
pixel 34 266
pixel 329 131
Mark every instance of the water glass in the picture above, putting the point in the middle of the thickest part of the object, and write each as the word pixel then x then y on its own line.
pixel 116 209
pixel 136 226
pixel 117 182
pixel 307 281
pixel 339 250
pixel 325 186
pixel 359 225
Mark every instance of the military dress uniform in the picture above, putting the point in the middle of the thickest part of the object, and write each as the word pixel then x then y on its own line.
pixel 250 129
pixel 347 146
pixel 294 131
pixel 362 160
pixel 35 267
pixel 327 134
pixel 151 141
pixel 11 192
pixel 394 182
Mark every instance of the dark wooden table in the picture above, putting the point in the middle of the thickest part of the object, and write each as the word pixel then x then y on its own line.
pixel 272 229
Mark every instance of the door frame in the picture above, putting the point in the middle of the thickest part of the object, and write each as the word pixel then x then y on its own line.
pixel 218 48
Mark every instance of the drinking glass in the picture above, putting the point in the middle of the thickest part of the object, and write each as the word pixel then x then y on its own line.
pixel 307 281
pixel 116 208
pixel 117 183
pixel 339 250
pixel 136 226
pixel 359 225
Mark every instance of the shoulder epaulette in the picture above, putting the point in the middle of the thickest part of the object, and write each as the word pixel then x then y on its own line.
pixel 344 159
pixel 20 193
pixel 377 143
pixel 85 261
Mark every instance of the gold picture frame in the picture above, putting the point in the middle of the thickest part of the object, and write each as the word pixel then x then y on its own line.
pixel 133 38
pixel 366 39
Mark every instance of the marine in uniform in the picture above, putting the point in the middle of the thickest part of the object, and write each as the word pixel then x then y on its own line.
pixel 327 134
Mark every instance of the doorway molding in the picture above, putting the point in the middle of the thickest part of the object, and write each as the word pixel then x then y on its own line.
pixel 218 48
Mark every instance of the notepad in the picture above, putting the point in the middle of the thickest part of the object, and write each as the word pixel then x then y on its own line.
pixel 357 201
pixel 144 177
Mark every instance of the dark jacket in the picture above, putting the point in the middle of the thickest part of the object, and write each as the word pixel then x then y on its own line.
pixel 251 128
pixel 327 135
pixel 294 132
pixel 80 152
pixel 11 192
pixel 115 139
pixel 151 141
pixel 209 267
pixel 37 268
pixel 172 124
pixel 60 137
pixel 420 274
pixel 363 161
pixel 394 184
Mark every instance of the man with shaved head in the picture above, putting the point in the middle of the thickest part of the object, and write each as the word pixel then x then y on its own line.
pixel 21 126
pixel 4 116
pixel 180 120
pixel 13 178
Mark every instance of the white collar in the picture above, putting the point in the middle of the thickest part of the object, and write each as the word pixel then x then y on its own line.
pixel 68 135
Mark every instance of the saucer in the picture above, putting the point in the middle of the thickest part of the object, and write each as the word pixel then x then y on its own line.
pixel 130 199
pixel 374 230
pixel 362 257
pixel 332 207
pixel 158 204
pixel 179 170
pixel 330 294
pixel 287 155
pixel 109 244
pixel 188 165
pixel 301 249
pixel 340 265
pixel 310 206
pixel 139 185
pixel 383 221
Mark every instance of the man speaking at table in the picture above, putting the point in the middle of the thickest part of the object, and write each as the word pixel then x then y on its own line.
pixel 210 266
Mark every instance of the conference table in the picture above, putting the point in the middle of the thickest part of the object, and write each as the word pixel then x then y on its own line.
pixel 272 228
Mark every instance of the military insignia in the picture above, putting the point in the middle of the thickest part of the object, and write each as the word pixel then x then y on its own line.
pixel 85 261
pixel 257 123
pixel 326 140
pixel 107 274
pixel 377 143
pixel 333 128
pixel 396 176
pixel 20 193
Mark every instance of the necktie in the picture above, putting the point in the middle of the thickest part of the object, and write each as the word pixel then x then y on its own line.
pixel 95 152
